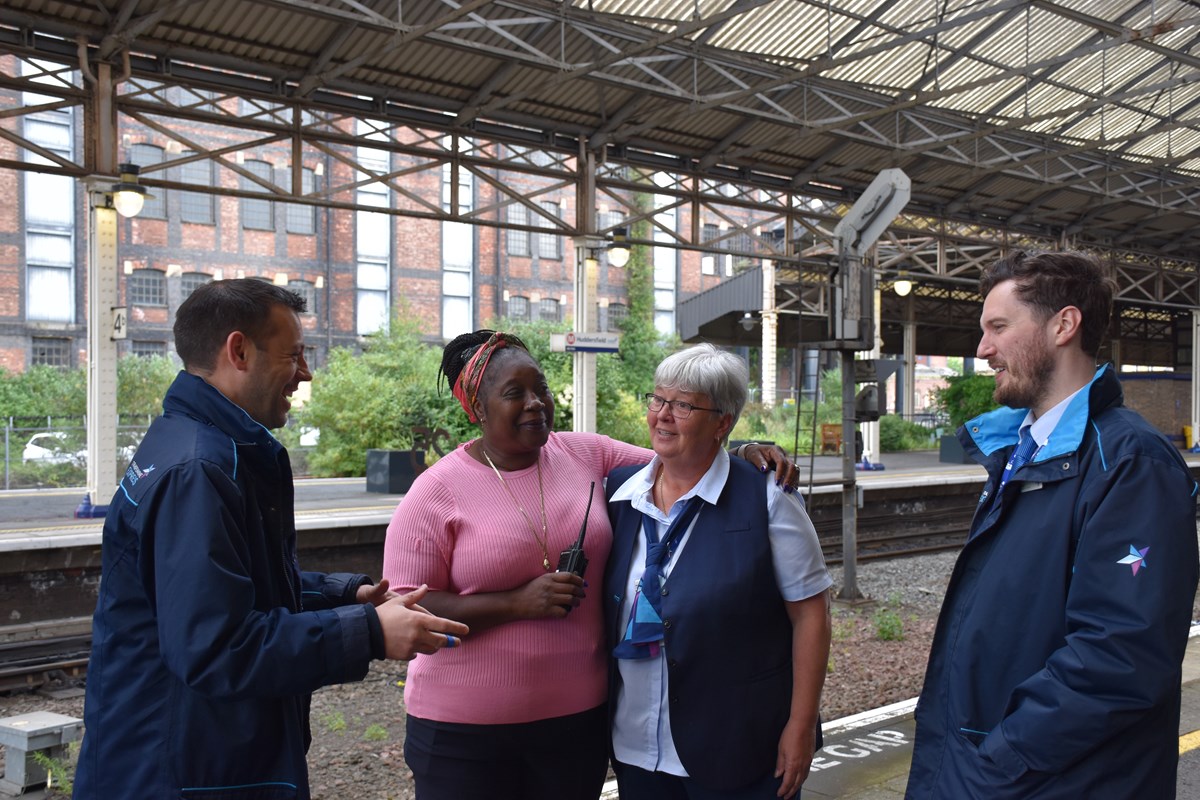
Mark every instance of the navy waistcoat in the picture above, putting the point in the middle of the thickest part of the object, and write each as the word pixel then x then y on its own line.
pixel 727 633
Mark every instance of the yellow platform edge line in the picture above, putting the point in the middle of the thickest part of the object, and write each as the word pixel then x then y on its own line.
pixel 1189 741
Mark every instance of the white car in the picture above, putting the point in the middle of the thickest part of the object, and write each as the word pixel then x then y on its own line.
pixel 56 447
pixel 53 447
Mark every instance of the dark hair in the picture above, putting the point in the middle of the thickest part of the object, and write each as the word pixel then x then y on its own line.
pixel 1050 281
pixel 216 309
pixel 459 350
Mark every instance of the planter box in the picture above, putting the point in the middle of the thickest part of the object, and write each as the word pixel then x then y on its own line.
pixel 950 451
pixel 393 471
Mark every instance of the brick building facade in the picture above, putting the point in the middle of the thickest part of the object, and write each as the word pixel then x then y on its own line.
pixel 356 267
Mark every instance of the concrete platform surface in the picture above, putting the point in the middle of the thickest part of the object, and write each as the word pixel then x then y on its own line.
pixel 870 761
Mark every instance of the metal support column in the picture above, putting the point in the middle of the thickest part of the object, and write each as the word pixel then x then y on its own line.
pixel 770 333
pixel 1195 376
pixel 910 362
pixel 102 298
pixel 583 404
pixel 850 590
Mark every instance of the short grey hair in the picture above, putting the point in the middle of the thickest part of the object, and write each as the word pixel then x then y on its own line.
pixel 704 369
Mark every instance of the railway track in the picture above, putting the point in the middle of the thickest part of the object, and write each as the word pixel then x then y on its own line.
pixel 899 545
pixel 34 655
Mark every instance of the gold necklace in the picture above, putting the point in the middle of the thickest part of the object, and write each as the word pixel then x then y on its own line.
pixel 541 497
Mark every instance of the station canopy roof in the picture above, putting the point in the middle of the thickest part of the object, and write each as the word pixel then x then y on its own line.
pixel 1073 118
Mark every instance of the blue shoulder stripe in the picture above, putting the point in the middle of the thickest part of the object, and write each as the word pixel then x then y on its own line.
pixel 126 493
pixel 1100 446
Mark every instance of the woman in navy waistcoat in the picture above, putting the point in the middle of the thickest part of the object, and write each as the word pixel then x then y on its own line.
pixel 716 604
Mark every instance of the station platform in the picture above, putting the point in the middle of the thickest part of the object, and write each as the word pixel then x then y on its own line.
pixel 867 756
pixel 34 519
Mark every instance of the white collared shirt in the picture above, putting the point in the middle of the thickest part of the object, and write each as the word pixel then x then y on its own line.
pixel 641 724
pixel 1040 428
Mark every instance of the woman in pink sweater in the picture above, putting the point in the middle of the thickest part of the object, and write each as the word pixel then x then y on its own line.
pixel 516 710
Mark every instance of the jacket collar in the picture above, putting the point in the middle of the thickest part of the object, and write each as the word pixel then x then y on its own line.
pixel 998 429
pixel 192 395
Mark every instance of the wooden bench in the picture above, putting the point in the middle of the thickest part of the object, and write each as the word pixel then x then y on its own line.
pixel 831 439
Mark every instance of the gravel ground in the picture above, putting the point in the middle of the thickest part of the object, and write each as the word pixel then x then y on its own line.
pixel 877 657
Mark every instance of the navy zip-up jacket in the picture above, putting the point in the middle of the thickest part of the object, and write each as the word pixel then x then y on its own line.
pixel 1055 669
pixel 207 638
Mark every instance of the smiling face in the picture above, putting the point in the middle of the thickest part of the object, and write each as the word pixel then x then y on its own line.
pixel 1019 346
pixel 515 407
pixel 276 367
pixel 693 441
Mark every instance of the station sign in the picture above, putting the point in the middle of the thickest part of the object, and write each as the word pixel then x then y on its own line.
pixel 577 342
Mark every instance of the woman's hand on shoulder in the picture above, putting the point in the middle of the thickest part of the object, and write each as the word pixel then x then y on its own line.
pixel 551 595
pixel 771 456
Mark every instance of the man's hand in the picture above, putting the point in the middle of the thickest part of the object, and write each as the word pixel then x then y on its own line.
pixel 409 629
pixel 376 594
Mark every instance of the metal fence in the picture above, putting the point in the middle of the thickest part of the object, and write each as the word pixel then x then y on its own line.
pixel 47 452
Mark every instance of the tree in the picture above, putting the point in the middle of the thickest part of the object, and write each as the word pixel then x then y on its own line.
pixel 43 391
pixel 142 382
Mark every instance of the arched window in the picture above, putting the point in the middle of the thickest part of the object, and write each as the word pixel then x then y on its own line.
pixel 258 214
pixel 518 308
pixel 146 287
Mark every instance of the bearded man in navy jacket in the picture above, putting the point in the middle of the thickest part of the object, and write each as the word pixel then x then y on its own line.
pixel 208 639
pixel 1055 670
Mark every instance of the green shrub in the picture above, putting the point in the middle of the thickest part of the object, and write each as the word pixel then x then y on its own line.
pixel 966 397
pixel 897 435
pixel 375 733
pixel 888 625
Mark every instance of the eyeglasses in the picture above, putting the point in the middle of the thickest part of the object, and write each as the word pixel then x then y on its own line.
pixel 679 409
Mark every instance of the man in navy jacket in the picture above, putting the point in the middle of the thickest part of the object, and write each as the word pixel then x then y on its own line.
pixel 1055 669
pixel 208 639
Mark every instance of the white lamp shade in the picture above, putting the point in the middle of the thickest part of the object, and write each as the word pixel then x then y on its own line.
pixel 902 286
pixel 618 256
pixel 128 203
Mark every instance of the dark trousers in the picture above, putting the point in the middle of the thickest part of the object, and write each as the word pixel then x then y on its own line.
pixel 563 758
pixel 636 783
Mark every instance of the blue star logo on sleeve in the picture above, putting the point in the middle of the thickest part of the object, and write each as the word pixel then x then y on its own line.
pixel 1136 558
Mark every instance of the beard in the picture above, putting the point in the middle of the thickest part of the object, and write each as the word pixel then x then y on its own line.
pixel 1027 379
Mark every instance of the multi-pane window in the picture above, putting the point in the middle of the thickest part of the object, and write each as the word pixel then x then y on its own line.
pixel 145 155
pixel 710 263
pixel 518 308
pixel 50 261
pixel 307 291
pixel 196 206
pixel 458 251
pixel 146 287
pixel 665 266
pixel 518 241
pixel 49 209
pixel 50 352
pixel 190 282
pixel 301 218
pixel 373 242
pixel 257 214
pixel 549 244
pixel 617 314
pixel 148 349
pixel 549 310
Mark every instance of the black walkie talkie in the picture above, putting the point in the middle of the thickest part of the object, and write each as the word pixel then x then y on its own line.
pixel 573 558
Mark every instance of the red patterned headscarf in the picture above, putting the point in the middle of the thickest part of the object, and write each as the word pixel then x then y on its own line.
pixel 466 388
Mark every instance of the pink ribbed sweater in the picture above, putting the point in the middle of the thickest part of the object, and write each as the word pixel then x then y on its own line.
pixel 458 530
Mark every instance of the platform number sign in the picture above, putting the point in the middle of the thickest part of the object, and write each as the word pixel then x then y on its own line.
pixel 120 322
